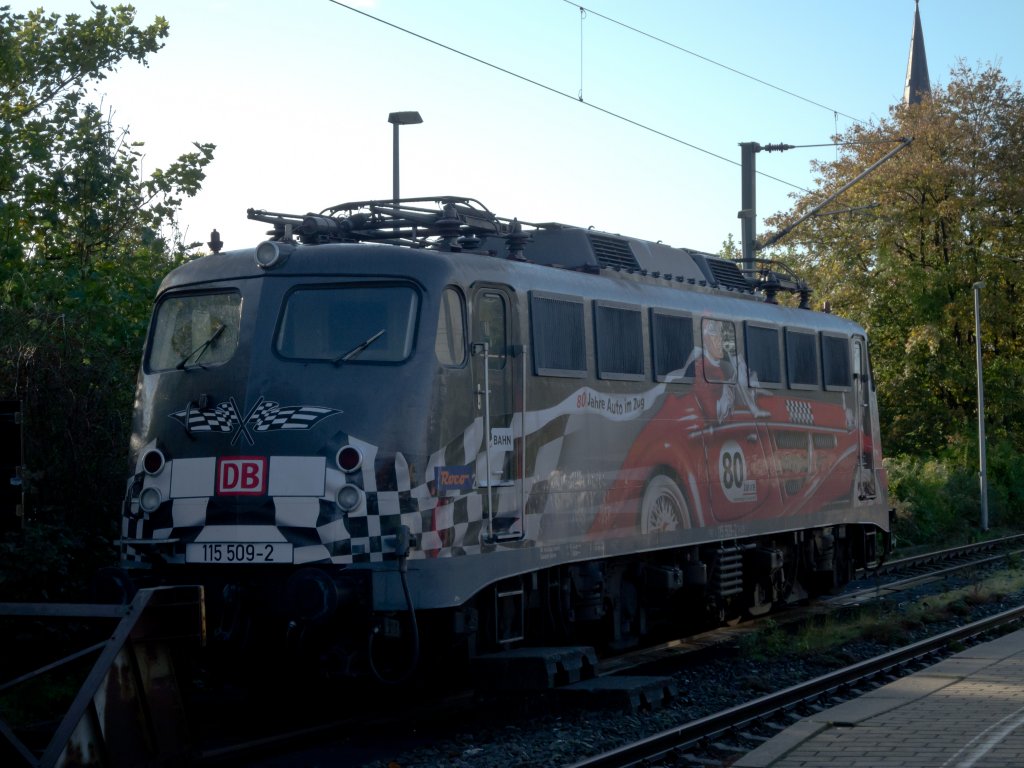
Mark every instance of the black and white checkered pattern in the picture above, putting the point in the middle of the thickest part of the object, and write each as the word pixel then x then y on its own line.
pixel 800 411
pixel 269 416
pixel 316 527
pixel 441 526
pixel 220 418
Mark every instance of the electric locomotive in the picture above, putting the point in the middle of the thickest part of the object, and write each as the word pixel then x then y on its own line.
pixel 409 418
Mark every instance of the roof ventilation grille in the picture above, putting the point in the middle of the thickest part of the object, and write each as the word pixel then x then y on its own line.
pixel 613 252
pixel 727 274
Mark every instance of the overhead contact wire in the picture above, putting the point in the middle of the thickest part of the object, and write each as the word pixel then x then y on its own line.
pixel 550 89
pixel 711 61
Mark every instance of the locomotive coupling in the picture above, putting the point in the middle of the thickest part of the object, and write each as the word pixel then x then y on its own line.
pixel 312 595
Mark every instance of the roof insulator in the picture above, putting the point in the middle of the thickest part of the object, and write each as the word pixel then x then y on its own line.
pixel 470 242
pixel 448 226
pixel 215 242
pixel 516 240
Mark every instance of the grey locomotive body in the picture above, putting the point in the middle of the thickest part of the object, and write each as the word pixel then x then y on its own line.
pixel 388 414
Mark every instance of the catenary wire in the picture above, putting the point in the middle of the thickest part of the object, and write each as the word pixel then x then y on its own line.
pixel 709 60
pixel 550 89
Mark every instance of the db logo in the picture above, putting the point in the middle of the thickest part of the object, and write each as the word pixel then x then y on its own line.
pixel 241 475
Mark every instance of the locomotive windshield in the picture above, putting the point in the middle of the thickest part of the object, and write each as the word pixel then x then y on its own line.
pixel 348 323
pixel 191 330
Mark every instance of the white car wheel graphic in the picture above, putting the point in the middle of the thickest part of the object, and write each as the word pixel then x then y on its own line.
pixel 663 507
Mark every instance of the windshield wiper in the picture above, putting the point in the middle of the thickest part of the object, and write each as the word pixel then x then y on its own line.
pixel 357 350
pixel 199 351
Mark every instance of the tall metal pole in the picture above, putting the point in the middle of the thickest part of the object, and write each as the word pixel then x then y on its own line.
pixel 982 458
pixel 394 164
pixel 748 202
pixel 396 119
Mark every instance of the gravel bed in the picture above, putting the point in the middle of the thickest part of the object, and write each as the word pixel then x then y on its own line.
pixel 532 733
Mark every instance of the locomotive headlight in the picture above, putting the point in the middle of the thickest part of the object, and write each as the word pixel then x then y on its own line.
pixel 153 462
pixel 149 500
pixel 350 458
pixel 349 497
pixel 270 254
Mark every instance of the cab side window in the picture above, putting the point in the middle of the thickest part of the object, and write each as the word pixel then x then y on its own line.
pixel 450 342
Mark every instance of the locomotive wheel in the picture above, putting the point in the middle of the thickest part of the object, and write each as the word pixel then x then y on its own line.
pixel 663 507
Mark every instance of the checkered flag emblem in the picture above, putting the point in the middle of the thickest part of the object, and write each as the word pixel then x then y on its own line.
pixel 220 418
pixel 800 411
pixel 270 416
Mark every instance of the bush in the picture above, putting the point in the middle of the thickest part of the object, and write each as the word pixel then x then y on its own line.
pixel 51 562
pixel 938 499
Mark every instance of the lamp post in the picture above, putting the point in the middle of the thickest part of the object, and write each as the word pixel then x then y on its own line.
pixel 982 459
pixel 396 119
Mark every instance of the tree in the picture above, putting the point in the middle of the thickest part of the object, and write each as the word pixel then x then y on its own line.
pixel 84 241
pixel 941 215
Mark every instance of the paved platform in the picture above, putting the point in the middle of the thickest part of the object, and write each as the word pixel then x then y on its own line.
pixel 964 712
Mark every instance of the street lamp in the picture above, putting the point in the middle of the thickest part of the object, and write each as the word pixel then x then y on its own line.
pixel 982 459
pixel 396 119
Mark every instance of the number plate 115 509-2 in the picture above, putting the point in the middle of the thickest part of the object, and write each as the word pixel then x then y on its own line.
pixel 231 553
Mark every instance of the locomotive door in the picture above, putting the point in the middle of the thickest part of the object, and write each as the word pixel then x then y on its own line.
pixel 494 379
pixel 865 486
pixel 741 479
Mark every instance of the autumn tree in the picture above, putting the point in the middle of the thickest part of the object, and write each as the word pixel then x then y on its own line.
pixel 84 240
pixel 901 251
pixel 918 233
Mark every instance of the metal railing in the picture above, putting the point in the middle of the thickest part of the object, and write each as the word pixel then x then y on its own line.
pixel 129 709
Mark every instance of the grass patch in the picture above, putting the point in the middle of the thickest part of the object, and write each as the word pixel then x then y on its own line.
pixel 885 624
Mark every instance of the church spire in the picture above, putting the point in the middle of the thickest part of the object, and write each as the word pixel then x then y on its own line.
pixel 917 82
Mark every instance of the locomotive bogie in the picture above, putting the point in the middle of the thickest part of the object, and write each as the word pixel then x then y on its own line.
pixel 590 433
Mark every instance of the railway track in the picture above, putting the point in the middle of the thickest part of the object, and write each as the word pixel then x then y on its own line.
pixel 325 727
pixel 664 658
pixel 728 730
pixel 926 563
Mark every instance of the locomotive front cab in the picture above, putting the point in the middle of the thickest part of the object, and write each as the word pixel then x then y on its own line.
pixel 261 461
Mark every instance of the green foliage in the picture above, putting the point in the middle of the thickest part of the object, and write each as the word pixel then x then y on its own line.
pixel 84 240
pixel 51 560
pixel 941 215
pixel 944 213
pixel 936 500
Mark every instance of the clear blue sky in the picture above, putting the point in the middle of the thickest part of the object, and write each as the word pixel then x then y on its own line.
pixel 296 94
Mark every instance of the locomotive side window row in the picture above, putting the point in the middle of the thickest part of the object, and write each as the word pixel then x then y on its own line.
pixel 764 356
pixel 774 357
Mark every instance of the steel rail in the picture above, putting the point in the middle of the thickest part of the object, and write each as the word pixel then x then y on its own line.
pixel 707 728
pixel 926 558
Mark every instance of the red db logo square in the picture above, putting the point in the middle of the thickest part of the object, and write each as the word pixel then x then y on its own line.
pixel 241 476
